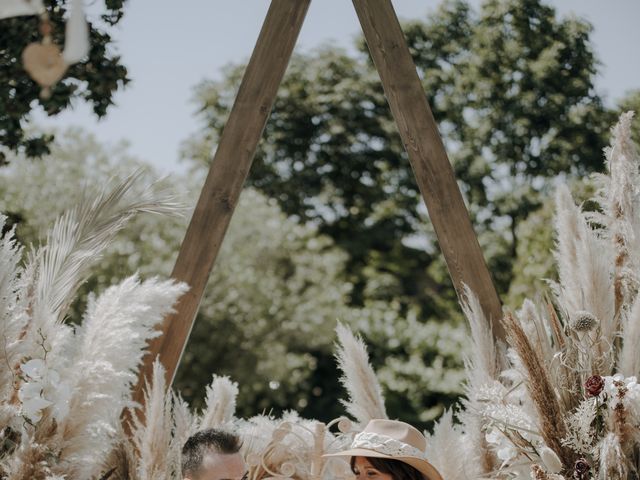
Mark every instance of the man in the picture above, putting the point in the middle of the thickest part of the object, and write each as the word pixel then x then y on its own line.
pixel 213 455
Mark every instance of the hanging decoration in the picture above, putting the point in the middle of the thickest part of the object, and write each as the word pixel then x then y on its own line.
pixel 43 61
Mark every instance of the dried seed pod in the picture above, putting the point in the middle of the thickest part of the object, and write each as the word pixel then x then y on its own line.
pixel 583 321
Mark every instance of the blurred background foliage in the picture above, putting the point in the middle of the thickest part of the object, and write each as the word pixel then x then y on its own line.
pixel 94 80
pixel 331 225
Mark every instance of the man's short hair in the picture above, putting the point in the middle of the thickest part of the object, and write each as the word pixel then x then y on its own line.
pixel 204 441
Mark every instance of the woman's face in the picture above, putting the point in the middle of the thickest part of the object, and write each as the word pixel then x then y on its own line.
pixel 365 471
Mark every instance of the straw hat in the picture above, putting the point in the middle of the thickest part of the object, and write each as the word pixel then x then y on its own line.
pixel 393 440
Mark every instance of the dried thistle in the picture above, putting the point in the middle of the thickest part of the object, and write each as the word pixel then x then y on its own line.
pixel 583 321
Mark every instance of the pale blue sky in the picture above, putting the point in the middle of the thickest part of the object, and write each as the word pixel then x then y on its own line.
pixel 170 46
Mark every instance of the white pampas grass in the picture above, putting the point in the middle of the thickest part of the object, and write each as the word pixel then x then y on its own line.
pixel 107 363
pixel 585 262
pixel 64 388
pixel 619 199
pixel 444 447
pixel 185 424
pixel 585 268
pixel 74 245
pixel 482 364
pixel 152 437
pixel 482 367
pixel 534 325
pixel 13 315
pixel 365 394
pixel 629 360
pixel 220 402
pixel 613 464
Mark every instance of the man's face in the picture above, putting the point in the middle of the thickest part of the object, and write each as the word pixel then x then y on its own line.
pixel 221 466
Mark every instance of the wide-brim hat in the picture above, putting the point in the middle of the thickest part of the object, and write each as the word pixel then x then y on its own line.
pixel 393 440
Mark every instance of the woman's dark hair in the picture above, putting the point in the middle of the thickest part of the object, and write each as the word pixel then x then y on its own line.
pixel 397 469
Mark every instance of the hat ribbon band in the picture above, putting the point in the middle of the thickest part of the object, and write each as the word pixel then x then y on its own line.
pixel 385 445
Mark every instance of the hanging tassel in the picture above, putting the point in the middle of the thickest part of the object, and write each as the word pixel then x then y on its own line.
pixel 76 43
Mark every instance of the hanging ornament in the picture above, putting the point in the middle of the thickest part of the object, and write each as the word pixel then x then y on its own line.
pixel 43 61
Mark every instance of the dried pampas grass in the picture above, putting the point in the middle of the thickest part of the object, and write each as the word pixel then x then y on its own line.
pixel 365 393
pixel 220 402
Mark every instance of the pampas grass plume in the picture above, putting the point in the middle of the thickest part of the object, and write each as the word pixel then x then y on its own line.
pixel 365 394
pixel 220 402
pixel 444 447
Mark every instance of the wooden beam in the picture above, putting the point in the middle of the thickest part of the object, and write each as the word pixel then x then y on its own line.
pixel 427 155
pixel 226 177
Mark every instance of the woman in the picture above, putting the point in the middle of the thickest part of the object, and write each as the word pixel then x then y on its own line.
pixel 389 450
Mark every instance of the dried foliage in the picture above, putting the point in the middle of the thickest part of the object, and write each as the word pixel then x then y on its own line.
pixel 64 388
pixel 567 403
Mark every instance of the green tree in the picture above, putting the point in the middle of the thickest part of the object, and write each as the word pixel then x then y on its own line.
pixel 269 310
pixel 511 87
pixel 268 313
pixel 94 80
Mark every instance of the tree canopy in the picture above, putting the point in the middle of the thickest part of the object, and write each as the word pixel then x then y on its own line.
pixel 332 225
pixel 93 80
pixel 511 87
pixel 270 307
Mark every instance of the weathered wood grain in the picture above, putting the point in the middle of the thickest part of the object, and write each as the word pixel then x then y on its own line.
pixel 226 177
pixel 427 155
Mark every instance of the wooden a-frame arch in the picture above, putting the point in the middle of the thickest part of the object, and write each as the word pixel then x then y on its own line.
pixel 237 146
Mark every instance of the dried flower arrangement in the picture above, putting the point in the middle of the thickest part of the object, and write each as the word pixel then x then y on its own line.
pixel 280 448
pixel 561 399
pixel 63 389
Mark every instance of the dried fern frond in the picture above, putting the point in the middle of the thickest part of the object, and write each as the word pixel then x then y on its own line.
pixel 77 239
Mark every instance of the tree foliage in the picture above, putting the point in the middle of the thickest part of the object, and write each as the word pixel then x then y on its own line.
pixel 269 310
pixel 332 226
pixel 511 87
pixel 93 80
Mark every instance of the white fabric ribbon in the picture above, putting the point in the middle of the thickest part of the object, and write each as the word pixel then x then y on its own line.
pixel 76 44
pixel 385 445
pixel 16 8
